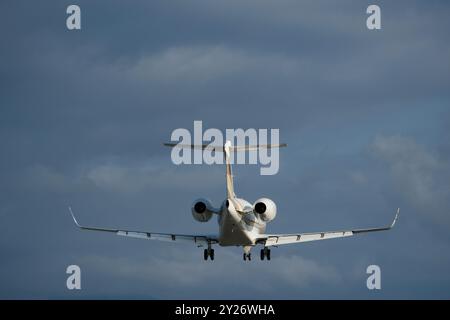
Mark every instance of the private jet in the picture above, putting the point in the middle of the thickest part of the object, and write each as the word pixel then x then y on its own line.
pixel 241 223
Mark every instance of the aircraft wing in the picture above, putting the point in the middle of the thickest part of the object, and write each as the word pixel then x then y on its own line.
pixel 199 240
pixel 279 239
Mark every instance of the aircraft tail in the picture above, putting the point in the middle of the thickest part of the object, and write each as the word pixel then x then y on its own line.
pixel 226 149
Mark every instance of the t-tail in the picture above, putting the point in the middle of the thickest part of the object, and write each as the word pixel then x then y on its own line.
pixel 227 149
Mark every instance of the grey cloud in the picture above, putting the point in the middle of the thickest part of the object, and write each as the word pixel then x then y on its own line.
pixel 179 272
pixel 83 115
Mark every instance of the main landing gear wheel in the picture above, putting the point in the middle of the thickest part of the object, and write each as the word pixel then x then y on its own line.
pixel 247 256
pixel 265 253
pixel 208 253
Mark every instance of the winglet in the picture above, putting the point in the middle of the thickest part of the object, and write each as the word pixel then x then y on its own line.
pixel 395 218
pixel 73 217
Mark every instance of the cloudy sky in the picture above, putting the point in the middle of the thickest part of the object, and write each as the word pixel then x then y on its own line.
pixel 83 115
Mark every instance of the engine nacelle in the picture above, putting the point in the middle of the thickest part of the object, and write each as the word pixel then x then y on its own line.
pixel 265 208
pixel 202 210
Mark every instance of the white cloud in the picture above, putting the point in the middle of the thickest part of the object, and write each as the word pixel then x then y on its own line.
pixel 200 64
pixel 121 177
pixel 137 177
pixel 43 177
pixel 358 177
pixel 419 175
pixel 194 63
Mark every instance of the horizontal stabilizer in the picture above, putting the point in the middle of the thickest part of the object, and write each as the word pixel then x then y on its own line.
pixel 194 146
pixel 257 147
pixel 218 148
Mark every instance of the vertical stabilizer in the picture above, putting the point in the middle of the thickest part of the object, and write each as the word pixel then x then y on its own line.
pixel 230 184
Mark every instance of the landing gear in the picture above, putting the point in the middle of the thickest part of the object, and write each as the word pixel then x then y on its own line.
pixel 265 253
pixel 208 253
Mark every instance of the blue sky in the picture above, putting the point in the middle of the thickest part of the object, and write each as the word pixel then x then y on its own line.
pixel 84 114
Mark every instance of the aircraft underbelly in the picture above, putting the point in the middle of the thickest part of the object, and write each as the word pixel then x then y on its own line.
pixel 232 233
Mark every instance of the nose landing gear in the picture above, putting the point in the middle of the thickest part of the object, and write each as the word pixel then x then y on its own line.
pixel 208 253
